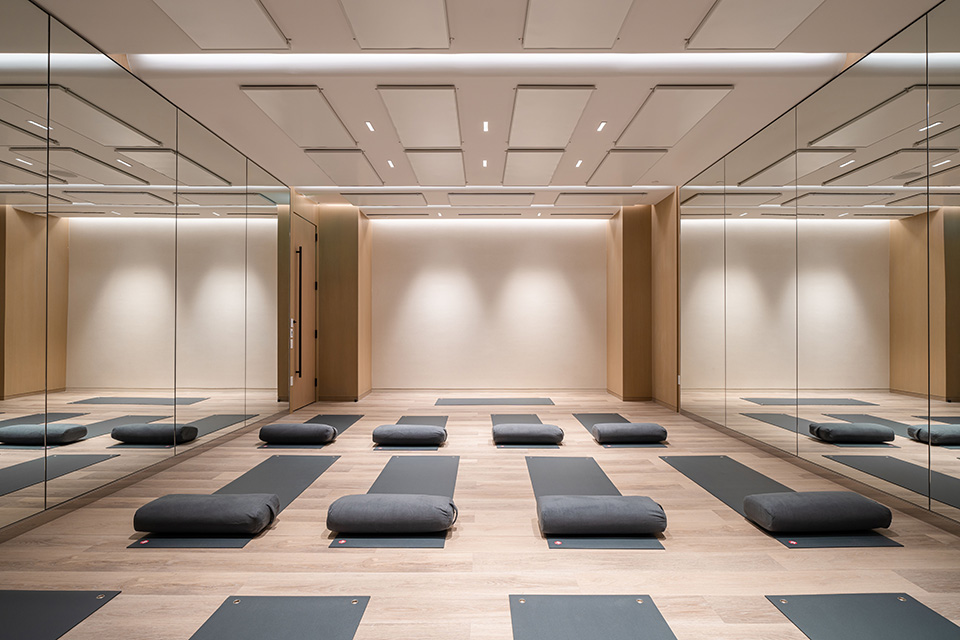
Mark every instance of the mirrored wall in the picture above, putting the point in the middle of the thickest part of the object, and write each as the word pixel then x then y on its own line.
pixel 139 272
pixel 820 274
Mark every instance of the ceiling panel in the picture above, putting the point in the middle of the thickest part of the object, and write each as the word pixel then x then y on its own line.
pixel 735 24
pixel 398 24
pixel 946 177
pixel 669 112
pixel 180 168
pixel 225 24
pixel 438 167
pixel 574 24
pixel 380 198
pixel 83 166
pixel 11 173
pixel 530 167
pixel 425 117
pixel 623 167
pixel 303 113
pixel 227 199
pixel 116 198
pixel 948 138
pixel 837 199
pixel 936 200
pixel 892 169
pixel 786 170
pixel 719 199
pixel 491 199
pixel 598 199
pixel 345 167
pixel 28 197
pixel 76 113
pixel 11 135
pixel 544 117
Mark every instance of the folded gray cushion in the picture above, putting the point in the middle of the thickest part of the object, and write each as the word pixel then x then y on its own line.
pixel 816 511
pixel 851 432
pixel 391 513
pixel 600 515
pixel 293 433
pixel 217 514
pixel 509 433
pixel 628 433
pixel 939 434
pixel 32 434
pixel 139 433
pixel 399 435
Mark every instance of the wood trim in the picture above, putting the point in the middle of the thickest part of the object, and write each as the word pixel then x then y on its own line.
pixel 951 295
pixel 637 302
pixel 615 305
pixel 364 307
pixel 909 362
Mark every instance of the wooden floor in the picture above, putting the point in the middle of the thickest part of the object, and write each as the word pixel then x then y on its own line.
pixel 709 582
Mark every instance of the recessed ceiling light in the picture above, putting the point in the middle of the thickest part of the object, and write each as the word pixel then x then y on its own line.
pixel 390 163
pixel 116 213
pixel 848 162
pixel 24 162
pixel 579 162
pixel 931 126
pixel 743 214
pixel 369 125
pixel 943 162
pixel 539 214
pixel 484 164
pixel 439 214
pixel 602 125
pixel 37 124
pixel 215 213
pixel 126 164
pixel 844 214
pixel 486 126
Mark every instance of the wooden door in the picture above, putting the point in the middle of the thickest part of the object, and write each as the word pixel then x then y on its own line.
pixel 303 312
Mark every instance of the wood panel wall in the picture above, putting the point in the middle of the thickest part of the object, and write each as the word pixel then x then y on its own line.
pixel 665 287
pixel 909 362
pixel 951 298
pixel 283 301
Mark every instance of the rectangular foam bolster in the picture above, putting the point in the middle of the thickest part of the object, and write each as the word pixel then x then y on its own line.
pixel 600 515
pixel 815 512
pixel 391 513
pixel 218 514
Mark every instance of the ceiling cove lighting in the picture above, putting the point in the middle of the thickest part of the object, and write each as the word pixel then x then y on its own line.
pixel 486 126
pixel 941 163
pixel 24 162
pixel 369 125
pixel 930 126
pixel 579 162
pixel 847 163
pixel 602 125
pixel 126 164
pixel 390 163
pixel 37 124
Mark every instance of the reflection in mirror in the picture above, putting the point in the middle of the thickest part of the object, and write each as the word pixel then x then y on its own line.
pixel 862 264
pixel 23 190
pixel 112 272
pixel 702 317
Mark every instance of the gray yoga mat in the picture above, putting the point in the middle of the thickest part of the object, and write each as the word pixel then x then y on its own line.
pixel 430 475
pixel 730 482
pixel 25 474
pixel 621 617
pixel 339 422
pixel 942 487
pixel 789 423
pixel 515 418
pixel 864 616
pixel 284 618
pixel 944 419
pixel 287 476
pixel 491 401
pixel 590 419
pixel 580 477
pixel 47 615
pixel 159 401
pixel 40 418
pixel 437 421
pixel 808 401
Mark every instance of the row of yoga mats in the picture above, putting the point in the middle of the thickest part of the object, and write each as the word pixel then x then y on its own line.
pixel 48 615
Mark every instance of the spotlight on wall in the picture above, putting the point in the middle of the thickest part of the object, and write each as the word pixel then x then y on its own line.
pixel 369 125
pixel 602 125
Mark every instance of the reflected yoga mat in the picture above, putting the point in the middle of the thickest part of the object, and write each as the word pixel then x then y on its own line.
pixel 943 488
pixel 429 475
pixel 40 418
pixel 284 618
pixel 944 419
pixel 590 419
pixel 159 401
pixel 730 482
pixel 620 617
pixel 47 615
pixel 808 401
pixel 286 476
pixel 790 423
pixel 25 474
pixel 491 401
pixel 870 616
pixel 580 477
pixel 205 426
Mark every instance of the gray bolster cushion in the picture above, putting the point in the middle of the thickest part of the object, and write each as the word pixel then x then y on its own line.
pixel 154 433
pixel 938 434
pixel 391 513
pixel 290 433
pixel 851 432
pixel 32 434
pixel 816 511
pixel 600 515
pixel 217 514
pixel 628 433
pixel 527 434
pixel 399 435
